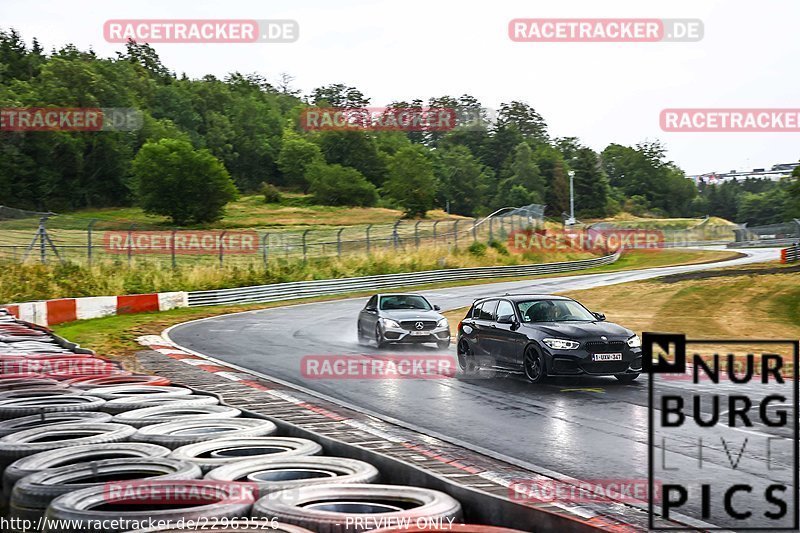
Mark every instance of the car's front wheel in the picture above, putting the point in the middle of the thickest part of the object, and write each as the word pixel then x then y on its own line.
pixel 362 339
pixel 626 378
pixel 533 365
pixel 379 342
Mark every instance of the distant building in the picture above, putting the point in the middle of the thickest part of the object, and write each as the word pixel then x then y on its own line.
pixel 775 173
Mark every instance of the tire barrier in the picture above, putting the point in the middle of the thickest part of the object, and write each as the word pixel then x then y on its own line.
pixel 121 405
pixel 127 391
pixel 457 528
pixel 60 457
pixel 335 508
pixel 18 407
pixel 39 392
pixel 272 475
pixel 129 510
pixel 233 525
pixel 90 382
pixel 32 494
pixel 213 454
pixel 189 431
pixel 10 384
pixel 165 413
pixel 31 441
pixel 15 425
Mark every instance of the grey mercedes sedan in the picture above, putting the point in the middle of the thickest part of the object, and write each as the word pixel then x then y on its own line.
pixel 402 318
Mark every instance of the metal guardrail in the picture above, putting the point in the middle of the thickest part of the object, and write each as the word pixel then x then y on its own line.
pixel 762 243
pixel 307 289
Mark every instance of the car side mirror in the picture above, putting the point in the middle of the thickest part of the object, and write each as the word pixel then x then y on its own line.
pixel 506 319
pixel 599 316
pixel 437 308
pixel 371 309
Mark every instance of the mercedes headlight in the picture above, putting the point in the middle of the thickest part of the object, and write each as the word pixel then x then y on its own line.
pixel 635 342
pixel 442 323
pixel 561 344
pixel 389 323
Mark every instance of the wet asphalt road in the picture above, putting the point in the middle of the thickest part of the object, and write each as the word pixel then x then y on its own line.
pixel 585 428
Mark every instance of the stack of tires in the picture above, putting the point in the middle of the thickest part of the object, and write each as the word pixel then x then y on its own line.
pixel 93 447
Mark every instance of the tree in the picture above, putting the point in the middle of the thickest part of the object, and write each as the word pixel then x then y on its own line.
pixel 338 185
pixel 590 182
pixel 524 119
pixel 356 149
pixel 175 180
pixel 792 205
pixel 411 181
pixel 297 155
pixel 338 95
pixel 463 181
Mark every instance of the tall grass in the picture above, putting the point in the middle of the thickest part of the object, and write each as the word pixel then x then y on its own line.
pixel 33 281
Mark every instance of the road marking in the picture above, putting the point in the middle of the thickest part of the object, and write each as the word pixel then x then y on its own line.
pixel 585 389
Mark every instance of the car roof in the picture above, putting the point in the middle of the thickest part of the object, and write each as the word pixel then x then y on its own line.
pixel 398 294
pixel 522 297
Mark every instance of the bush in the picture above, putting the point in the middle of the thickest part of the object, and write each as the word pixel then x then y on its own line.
pixel 478 249
pixel 499 246
pixel 338 185
pixel 271 193
pixel 187 185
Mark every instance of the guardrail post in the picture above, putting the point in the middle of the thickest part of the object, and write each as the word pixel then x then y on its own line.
pixel 89 241
pixel 265 248
pixel 395 237
pixel 416 233
pixel 305 246
pixel 222 248
pixel 455 234
pixel 434 233
pixel 369 226
pixel 172 249
pixel 339 242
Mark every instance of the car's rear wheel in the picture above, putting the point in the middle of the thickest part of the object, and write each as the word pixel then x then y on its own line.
pixel 533 365
pixel 626 378
pixel 379 342
pixel 466 359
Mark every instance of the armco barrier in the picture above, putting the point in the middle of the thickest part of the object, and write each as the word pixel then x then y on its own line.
pixel 306 289
pixel 52 312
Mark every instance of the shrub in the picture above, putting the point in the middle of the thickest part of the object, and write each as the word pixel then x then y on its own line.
pixel 271 193
pixel 499 246
pixel 478 249
pixel 338 185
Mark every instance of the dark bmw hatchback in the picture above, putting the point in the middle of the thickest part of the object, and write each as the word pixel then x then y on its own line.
pixel 543 335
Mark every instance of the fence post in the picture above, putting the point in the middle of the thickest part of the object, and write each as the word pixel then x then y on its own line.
pixel 416 233
pixel 369 226
pixel 305 246
pixel 474 230
pixel 265 248
pixel 491 229
pixel 455 234
pixel 130 243
pixel 434 232
pixel 89 241
pixel 395 237
pixel 339 242
pixel 512 223
pixel 172 249
pixel 222 248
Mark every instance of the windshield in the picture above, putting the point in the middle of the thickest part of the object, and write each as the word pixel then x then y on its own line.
pixel 404 301
pixel 553 311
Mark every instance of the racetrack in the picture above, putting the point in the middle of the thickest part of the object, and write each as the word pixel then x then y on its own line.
pixel 585 428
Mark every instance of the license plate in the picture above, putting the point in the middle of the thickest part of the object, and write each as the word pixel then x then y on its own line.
pixel 607 357
pixel 418 333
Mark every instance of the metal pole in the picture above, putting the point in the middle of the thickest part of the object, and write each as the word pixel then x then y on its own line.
pixel 434 232
pixel 172 249
pixel 474 230
pixel 416 233
pixel 130 243
pixel 265 248
pixel 222 248
pixel 305 246
pixel 491 230
pixel 339 242
pixel 455 233
pixel 395 237
pixel 89 241
pixel 368 228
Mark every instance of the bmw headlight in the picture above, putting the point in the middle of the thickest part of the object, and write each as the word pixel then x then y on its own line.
pixel 561 344
pixel 635 342
pixel 389 323
pixel 442 323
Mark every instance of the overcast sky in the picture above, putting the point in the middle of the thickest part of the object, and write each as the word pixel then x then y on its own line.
pixel 401 50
